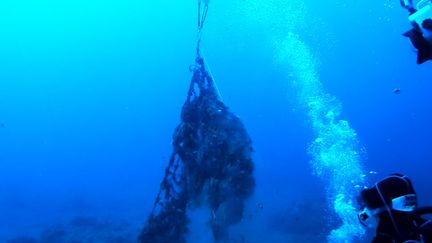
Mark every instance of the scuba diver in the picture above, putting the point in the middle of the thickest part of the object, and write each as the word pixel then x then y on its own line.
pixel 421 33
pixel 391 206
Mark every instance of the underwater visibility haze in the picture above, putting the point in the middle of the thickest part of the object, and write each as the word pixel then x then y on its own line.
pixel 318 98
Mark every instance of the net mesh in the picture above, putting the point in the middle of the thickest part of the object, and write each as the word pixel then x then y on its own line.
pixel 212 155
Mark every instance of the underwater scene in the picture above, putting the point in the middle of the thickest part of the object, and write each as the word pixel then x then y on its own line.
pixel 241 121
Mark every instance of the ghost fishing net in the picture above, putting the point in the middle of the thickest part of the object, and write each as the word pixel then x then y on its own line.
pixel 212 156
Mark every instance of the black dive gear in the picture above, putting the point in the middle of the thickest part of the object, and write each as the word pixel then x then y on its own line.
pixel 424 48
pixel 393 202
pixel 421 33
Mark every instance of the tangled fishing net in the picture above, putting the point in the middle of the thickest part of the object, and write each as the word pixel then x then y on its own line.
pixel 212 155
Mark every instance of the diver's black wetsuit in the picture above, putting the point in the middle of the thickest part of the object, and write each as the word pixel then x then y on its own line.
pixel 408 227
pixel 423 46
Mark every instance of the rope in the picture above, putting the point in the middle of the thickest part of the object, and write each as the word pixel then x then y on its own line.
pixel 202 15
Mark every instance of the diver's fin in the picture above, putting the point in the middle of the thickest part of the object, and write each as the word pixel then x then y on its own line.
pixel 424 56
pixel 408 34
pixel 416 38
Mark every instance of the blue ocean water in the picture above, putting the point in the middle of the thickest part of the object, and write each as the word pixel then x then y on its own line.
pixel 90 93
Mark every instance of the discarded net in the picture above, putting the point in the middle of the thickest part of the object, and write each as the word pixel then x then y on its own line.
pixel 212 156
